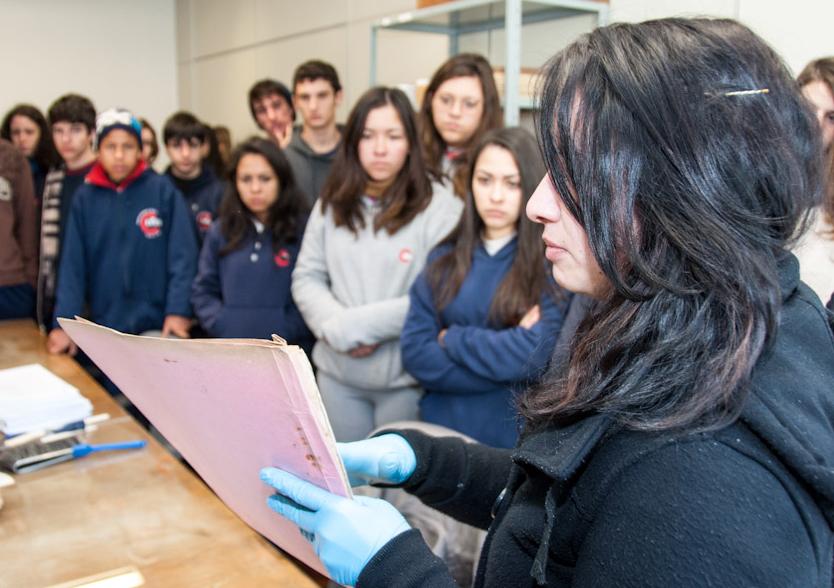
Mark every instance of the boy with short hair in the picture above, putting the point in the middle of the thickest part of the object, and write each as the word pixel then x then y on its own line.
pixel 185 138
pixel 72 119
pixel 18 235
pixel 130 254
pixel 317 94
pixel 270 103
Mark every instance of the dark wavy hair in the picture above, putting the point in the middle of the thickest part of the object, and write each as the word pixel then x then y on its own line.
pixel 184 126
pixel 285 215
pixel 154 144
pixel 73 108
pixel 526 281
pixel 405 198
pixel 822 70
pixel 461 65
pixel 689 157
pixel 316 69
pixel 265 88
pixel 45 154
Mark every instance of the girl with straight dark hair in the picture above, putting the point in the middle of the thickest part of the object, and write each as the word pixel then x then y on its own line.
pixel 26 128
pixel 367 240
pixel 689 440
pixel 483 316
pixel 242 288
pixel 816 249
pixel 460 105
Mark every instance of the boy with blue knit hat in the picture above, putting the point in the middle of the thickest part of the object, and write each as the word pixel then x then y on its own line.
pixel 130 252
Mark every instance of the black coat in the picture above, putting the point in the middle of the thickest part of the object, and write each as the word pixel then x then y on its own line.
pixel 594 505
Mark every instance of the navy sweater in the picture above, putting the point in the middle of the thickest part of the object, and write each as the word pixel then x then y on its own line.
pixel 129 253
pixel 246 293
pixel 202 197
pixel 469 381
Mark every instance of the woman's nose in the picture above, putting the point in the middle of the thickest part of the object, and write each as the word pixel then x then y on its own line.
pixel 543 206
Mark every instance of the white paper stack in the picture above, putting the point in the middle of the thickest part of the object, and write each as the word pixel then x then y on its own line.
pixel 32 398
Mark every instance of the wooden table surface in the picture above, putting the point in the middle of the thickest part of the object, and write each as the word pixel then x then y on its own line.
pixel 140 509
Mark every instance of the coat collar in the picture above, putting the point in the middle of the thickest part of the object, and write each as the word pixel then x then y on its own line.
pixel 560 453
pixel 98 177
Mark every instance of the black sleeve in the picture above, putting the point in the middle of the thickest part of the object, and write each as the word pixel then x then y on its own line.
pixel 457 478
pixel 405 562
pixel 696 514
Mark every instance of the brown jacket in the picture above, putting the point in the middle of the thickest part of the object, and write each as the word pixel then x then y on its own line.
pixel 18 228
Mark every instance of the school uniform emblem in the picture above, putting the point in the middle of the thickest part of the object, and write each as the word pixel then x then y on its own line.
pixel 406 255
pixel 204 220
pixel 282 258
pixel 150 223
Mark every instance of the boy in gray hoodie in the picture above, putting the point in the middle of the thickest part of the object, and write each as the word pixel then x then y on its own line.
pixel 317 94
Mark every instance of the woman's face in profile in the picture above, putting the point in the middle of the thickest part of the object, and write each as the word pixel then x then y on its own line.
pixel 566 244
pixel 821 98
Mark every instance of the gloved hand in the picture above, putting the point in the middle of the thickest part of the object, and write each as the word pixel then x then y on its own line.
pixel 388 459
pixel 345 533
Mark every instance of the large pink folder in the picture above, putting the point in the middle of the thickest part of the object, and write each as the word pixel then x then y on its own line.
pixel 231 407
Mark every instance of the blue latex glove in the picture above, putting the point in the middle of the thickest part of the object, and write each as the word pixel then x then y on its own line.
pixel 388 459
pixel 345 533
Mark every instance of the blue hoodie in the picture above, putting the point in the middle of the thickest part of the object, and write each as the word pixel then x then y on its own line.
pixel 470 379
pixel 246 292
pixel 202 197
pixel 129 253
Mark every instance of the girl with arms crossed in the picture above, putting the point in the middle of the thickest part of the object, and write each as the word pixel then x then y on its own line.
pixel 484 315
pixel 366 242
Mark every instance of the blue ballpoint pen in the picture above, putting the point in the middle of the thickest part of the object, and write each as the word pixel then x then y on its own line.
pixel 36 462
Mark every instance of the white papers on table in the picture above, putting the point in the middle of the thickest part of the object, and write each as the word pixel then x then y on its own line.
pixel 33 398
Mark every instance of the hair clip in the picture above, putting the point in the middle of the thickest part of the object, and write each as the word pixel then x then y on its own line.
pixel 747 92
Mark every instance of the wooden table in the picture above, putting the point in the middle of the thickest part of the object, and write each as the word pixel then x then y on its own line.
pixel 141 509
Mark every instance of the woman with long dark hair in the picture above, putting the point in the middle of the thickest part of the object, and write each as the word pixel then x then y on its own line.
pixel 816 249
pixel 484 316
pixel 26 128
pixel 366 242
pixel 242 288
pixel 460 105
pixel 689 440
pixel 150 143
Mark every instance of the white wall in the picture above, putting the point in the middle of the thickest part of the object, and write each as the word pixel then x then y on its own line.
pixel 799 31
pixel 223 47
pixel 156 56
pixel 116 52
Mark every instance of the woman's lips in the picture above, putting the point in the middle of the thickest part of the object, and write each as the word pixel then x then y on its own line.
pixel 553 251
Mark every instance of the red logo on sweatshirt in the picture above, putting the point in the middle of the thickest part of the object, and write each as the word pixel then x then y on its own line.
pixel 149 223
pixel 282 258
pixel 406 255
pixel 203 220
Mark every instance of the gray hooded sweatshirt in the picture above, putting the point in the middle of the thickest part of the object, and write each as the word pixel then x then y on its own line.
pixel 352 289
pixel 309 168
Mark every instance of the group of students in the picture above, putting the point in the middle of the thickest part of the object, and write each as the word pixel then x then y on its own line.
pixel 686 435
pixel 393 249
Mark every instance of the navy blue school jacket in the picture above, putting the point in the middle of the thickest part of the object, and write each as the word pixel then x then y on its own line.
pixel 202 197
pixel 470 380
pixel 130 253
pixel 246 292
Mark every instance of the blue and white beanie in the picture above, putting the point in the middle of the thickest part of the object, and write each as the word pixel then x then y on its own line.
pixel 117 118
